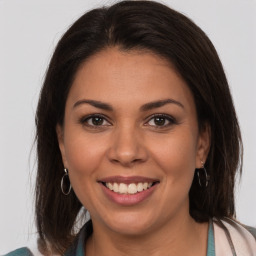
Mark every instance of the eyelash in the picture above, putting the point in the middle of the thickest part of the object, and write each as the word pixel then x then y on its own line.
pixel 171 121
pixel 84 121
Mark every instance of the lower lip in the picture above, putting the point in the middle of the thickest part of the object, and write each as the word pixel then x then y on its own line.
pixel 128 199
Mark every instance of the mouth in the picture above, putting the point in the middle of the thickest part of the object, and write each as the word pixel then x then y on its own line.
pixel 129 189
pixel 128 185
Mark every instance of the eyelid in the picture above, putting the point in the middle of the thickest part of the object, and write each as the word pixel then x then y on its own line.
pixel 83 120
pixel 170 118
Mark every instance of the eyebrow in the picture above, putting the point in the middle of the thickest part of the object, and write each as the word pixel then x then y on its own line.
pixel 160 103
pixel 145 107
pixel 94 103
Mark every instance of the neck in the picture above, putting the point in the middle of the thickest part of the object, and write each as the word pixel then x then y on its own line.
pixel 181 236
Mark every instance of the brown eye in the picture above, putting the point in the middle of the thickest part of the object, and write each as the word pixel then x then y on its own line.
pixel 97 120
pixel 94 121
pixel 159 121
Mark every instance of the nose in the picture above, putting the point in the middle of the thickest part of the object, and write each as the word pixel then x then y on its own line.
pixel 127 147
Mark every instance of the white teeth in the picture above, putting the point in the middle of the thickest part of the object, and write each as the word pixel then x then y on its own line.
pixel 132 188
pixel 150 184
pixel 123 188
pixel 115 187
pixel 110 186
pixel 140 187
pixel 145 185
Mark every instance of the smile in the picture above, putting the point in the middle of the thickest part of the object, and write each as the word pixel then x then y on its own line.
pixel 128 189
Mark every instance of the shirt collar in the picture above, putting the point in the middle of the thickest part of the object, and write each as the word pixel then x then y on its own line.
pixel 77 249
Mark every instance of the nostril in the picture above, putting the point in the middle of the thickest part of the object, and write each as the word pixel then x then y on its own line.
pixel 127 150
pixel 126 161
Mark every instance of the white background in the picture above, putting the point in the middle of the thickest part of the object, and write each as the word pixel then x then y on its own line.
pixel 29 31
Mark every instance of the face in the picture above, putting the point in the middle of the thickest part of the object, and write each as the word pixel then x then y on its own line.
pixel 130 141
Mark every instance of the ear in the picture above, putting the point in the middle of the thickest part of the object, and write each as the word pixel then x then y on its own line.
pixel 60 137
pixel 203 145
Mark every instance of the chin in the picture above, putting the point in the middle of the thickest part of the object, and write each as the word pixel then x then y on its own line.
pixel 130 224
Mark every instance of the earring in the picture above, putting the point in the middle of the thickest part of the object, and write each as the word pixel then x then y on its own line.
pixel 62 183
pixel 207 177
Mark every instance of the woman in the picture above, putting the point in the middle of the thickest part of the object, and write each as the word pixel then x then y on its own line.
pixel 136 124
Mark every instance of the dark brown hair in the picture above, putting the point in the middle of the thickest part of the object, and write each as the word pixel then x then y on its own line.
pixel 137 25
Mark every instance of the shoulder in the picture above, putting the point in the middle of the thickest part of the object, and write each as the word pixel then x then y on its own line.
pixel 20 252
pixel 244 232
pixel 229 233
pixel 251 230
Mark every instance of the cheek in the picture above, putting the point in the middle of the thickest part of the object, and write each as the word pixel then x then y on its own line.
pixel 176 156
pixel 83 156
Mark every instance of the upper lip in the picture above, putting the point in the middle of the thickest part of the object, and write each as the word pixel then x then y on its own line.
pixel 127 179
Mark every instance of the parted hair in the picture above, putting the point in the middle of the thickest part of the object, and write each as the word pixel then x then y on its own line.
pixel 136 25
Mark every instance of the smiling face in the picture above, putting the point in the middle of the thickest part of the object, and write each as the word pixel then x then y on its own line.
pixel 131 141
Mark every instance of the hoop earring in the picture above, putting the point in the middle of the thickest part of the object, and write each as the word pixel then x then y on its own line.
pixel 207 177
pixel 66 193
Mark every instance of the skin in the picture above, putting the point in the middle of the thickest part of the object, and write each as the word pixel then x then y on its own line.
pixel 129 141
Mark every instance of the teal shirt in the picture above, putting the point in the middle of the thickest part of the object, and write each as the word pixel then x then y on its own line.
pixel 20 252
pixel 77 249
pixel 211 242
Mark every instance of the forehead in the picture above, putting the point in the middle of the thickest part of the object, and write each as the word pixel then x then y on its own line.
pixel 125 77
